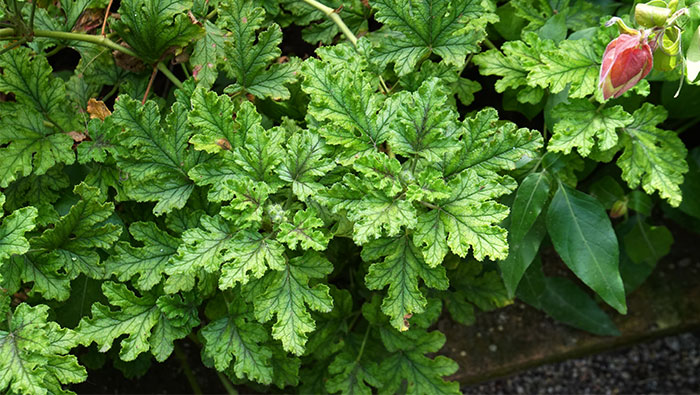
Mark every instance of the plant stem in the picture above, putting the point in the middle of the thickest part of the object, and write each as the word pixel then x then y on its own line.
pixel 333 15
pixel 429 205
pixel 169 74
pixel 211 14
pixel 99 40
pixel 187 370
pixel 226 383
pixel 382 84
pixel 491 45
pixel 54 51
pixel 330 12
pixel 362 347
pixel 104 22
pixel 31 16
pixel 148 87
pixel 110 93
pixel 14 45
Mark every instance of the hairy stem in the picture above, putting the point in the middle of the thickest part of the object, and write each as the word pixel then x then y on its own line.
pixel 330 13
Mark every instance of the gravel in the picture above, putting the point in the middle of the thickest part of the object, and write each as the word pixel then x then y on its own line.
pixel 666 366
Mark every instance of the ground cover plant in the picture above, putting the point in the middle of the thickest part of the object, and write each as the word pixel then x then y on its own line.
pixel 302 189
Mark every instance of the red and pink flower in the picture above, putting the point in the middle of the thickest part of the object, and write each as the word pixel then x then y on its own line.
pixel 627 59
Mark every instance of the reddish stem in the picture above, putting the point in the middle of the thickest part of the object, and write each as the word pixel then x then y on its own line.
pixel 150 83
pixel 104 22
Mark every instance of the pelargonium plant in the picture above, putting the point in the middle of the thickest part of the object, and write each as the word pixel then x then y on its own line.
pixel 294 195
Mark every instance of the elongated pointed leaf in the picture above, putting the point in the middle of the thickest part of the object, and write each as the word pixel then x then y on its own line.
pixel 564 301
pixel 529 201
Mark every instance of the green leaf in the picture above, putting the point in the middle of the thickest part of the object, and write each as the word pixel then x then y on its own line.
pixel 564 301
pixel 520 255
pixel 208 53
pixel 245 151
pixel 100 145
pixel 514 61
pixel 147 262
pixel 152 27
pixel 237 335
pixel 349 376
pixel 579 14
pixel 46 277
pixel 408 362
pixel 12 231
pixel 643 245
pixel 691 186
pixel 415 30
pixel 554 28
pixel 424 125
pixel 652 157
pixel 31 80
pixel 583 236
pixel 466 219
pixel 647 244
pixel 204 248
pixel 375 212
pixel 692 57
pixel 38 191
pixel 157 160
pixel 73 9
pixel 251 252
pixel 357 118
pixel 249 56
pixel 529 202
pixel 73 240
pixel 401 270
pixel 213 116
pixel 34 354
pixel 581 122
pixel 29 146
pixel 575 64
pixel 287 295
pixel 304 230
pixel 306 160
pixel 483 288
pixel 491 146
pixel 151 322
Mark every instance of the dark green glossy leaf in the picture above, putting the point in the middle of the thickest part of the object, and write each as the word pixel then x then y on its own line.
pixel 564 301
pixel 529 201
pixel 584 238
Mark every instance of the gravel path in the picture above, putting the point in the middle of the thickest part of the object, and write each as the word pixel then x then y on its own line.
pixel 665 366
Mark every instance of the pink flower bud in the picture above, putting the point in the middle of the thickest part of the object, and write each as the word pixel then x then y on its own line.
pixel 626 60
